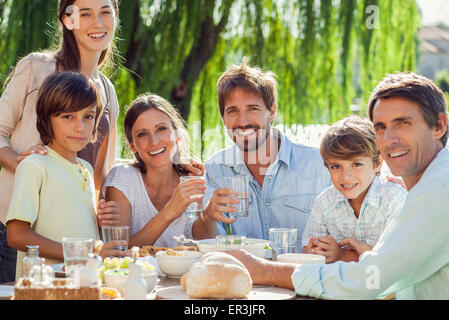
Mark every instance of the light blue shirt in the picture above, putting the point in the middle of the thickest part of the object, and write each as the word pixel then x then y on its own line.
pixel 291 184
pixel 411 257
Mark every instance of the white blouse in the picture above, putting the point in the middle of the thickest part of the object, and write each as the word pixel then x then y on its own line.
pixel 128 180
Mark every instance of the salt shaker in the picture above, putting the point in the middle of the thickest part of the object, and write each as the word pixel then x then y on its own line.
pixel 31 259
pixel 135 286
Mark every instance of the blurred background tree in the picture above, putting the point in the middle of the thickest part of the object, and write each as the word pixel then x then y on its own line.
pixel 326 53
pixel 442 81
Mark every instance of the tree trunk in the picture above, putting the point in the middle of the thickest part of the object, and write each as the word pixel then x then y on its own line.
pixel 199 55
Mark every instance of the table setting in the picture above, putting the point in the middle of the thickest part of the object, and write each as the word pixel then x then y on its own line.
pixel 162 271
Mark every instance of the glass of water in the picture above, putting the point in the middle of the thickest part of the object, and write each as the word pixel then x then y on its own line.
pixel 76 253
pixel 197 206
pixel 282 240
pixel 240 185
pixel 114 233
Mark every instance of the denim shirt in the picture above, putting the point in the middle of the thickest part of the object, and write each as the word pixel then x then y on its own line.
pixel 291 184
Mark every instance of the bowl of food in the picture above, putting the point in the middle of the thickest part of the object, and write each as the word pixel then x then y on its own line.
pixel 176 263
pixel 116 278
pixel 301 258
pixel 257 247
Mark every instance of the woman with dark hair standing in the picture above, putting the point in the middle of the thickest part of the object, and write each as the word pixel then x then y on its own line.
pixel 86 46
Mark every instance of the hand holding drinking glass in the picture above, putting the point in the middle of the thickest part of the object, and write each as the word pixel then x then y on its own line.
pixel 240 186
pixel 116 233
pixel 188 196
pixel 108 213
pixel 222 201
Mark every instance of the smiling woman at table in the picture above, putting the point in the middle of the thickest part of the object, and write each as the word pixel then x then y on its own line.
pixel 150 198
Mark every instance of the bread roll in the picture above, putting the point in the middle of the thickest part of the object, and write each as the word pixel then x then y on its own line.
pixel 217 275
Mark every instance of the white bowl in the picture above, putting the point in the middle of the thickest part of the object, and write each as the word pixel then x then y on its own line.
pixel 301 258
pixel 252 245
pixel 118 281
pixel 114 280
pixel 176 266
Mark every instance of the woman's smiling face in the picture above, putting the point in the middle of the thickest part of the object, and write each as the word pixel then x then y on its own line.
pixel 154 138
pixel 93 23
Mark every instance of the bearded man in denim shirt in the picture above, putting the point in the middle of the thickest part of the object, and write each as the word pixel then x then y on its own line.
pixel 284 177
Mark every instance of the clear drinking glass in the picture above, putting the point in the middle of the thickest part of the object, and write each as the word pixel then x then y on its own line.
pixel 240 185
pixel 114 233
pixel 282 240
pixel 195 207
pixel 76 253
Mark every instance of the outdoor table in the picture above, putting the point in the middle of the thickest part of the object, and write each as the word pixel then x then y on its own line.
pixel 167 282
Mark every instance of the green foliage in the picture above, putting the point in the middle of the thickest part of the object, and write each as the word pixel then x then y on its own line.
pixel 442 80
pixel 325 53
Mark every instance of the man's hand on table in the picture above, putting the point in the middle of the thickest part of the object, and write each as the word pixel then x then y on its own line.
pixel 265 272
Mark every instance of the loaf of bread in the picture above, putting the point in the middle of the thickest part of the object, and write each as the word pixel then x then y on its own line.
pixel 217 275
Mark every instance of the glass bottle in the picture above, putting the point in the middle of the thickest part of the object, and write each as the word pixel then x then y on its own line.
pixel 30 260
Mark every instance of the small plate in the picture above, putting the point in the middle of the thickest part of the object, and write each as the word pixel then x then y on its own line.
pixel 6 292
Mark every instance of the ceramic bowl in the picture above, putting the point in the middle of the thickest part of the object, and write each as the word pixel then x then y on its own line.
pixel 301 258
pixel 176 266
pixel 116 280
pixel 254 246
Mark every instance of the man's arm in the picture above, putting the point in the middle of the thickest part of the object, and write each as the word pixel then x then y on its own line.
pixel 414 239
pixel 265 272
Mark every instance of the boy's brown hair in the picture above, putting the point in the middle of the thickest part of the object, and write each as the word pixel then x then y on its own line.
pixel 65 92
pixel 408 85
pixel 250 79
pixel 349 138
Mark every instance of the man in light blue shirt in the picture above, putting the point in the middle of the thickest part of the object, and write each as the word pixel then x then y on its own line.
pixel 411 258
pixel 284 177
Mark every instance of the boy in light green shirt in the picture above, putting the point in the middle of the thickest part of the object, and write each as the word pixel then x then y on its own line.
pixel 54 194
